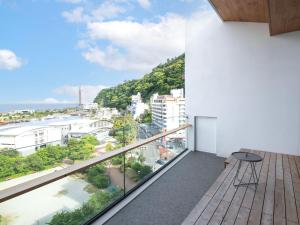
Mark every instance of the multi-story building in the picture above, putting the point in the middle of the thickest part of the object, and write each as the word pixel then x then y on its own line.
pixel 89 106
pixel 137 106
pixel 27 139
pixel 107 113
pixel 80 127
pixel 168 111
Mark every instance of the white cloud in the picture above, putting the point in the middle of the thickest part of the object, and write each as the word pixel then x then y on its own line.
pixel 9 60
pixel 71 1
pixel 144 3
pixel 106 10
pixel 89 92
pixel 48 101
pixel 136 46
pixel 75 16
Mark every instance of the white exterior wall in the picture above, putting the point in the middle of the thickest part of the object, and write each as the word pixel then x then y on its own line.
pixel 171 118
pixel 248 80
pixel 7 141
pixel 26 142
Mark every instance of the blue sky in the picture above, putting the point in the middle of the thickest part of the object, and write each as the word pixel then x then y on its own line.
pixel 50 47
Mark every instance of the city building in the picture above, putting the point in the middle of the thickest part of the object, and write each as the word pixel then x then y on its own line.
pixel 23 111
pixel 89 106
pixel 107 113
pixel 168 111
pixel 137 106
pixel 27 139
pixel 77 128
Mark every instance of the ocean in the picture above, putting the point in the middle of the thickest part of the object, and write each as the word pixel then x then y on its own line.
pixel 4 108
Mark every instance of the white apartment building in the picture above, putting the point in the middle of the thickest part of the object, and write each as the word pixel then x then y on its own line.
pixel 137 107
pixel 168 111
pixel 80 127
pixel 28 138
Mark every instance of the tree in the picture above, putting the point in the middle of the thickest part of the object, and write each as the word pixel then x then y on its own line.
pixel 161 80
pixel 124 129
pixel 109 147
pixel 141 169
pixel 35 162
pixel 100 181
pixel 146 117
pixel 95 204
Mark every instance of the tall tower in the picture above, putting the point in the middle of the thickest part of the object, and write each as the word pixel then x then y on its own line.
pixel 80 96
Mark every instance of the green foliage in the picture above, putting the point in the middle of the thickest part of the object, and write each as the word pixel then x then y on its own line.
pixel 146 117
pixel 161 80
pixel 35 162
pixel 124 129
pixel 82 149
pixel 96 176
pixel 109 147
pixel 141 169
pixel 95 170
pixel 12 164
pixel 100 181
pixel 117 160
pixel 94 205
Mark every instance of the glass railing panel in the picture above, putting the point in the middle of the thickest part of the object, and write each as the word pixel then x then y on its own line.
pixel 77 198
pixel 72 200
pixel 142 162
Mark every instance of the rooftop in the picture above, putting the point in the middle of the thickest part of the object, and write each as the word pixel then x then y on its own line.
pixel 15 131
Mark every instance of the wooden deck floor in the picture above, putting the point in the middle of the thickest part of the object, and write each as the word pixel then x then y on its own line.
pixel 275 201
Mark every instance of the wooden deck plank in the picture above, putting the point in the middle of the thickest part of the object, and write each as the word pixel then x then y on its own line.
pixel 236 202
pixel 257 206
pixel 268 209
pixel 221 211
pixel 219 196
pixel 248 199
pixel 242 217
pixel 198 209
pixel 275 201
pixel 279 203
pixel 295 168
pixel 244 211
pixel 219 215
pixel 291 209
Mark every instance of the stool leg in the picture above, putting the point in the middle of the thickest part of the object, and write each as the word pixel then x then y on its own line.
pixel 237 173
pixel 255 177
pixel 255 173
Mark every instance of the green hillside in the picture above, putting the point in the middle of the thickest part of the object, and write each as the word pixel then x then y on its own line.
pixel 161 80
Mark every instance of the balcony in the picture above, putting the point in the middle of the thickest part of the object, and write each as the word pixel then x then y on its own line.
pixel 91 188
pixel 189 187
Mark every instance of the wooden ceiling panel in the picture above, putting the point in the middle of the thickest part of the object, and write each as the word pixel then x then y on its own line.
pixel 284 16
pixel 242 10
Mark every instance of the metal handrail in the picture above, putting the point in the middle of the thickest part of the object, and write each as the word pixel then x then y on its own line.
pixel 31 185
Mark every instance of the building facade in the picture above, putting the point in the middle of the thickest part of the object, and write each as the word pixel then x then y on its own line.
pixel 168 111
pixel 29 138
pixel 242 88
pixel 137 107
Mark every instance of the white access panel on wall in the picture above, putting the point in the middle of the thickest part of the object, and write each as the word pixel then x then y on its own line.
pixel 205 134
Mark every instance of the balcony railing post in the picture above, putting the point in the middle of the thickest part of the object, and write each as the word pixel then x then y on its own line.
pixel 124 173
